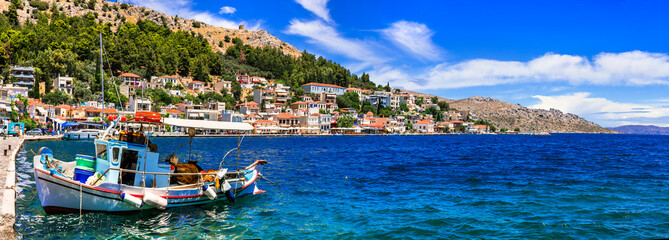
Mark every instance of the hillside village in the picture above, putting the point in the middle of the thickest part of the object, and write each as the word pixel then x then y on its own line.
pixel 196 71
pixel 269 106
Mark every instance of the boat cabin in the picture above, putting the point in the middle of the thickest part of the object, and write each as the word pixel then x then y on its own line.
pixel 130 156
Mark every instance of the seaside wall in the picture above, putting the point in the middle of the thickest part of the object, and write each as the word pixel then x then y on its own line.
pixel 9 148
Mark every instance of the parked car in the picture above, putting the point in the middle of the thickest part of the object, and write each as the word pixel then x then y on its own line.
pixel 45 131
pixel 35 131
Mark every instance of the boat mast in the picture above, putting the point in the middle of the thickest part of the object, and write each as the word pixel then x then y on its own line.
pixel 102 76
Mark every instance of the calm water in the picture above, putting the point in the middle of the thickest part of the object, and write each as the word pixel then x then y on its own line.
pixel 402 187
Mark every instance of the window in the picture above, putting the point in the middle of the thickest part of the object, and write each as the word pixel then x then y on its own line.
pixel 101 151
pixel 115 153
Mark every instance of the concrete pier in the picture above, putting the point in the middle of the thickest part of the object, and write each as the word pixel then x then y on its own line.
pixel 9 148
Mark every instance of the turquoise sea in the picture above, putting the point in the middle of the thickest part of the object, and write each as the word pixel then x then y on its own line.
pixel 563 186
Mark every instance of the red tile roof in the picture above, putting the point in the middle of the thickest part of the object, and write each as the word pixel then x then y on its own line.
pixel 63 106
pixel 173 111
pixel 129 75
pixel 286 115
pixel 424 122
pixel 107 110
pixel 264 121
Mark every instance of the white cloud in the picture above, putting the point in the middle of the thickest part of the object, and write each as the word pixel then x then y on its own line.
pixel 182 8
pixel 317 7
pixel 319 33
pixel 635 68
pixel 604 111
pixel 415 38
pixel 227 10
pixel 397 77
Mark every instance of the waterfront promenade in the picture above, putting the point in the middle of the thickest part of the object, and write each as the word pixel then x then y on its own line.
pixel 9 148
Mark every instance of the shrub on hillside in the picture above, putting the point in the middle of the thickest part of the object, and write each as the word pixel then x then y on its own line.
pixel 39 5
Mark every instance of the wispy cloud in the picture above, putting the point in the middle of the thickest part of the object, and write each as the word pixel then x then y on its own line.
pixel 604 111
pixel 317 7
pixel 227 10
pixel 414 38
pixel 183 9
pixel 635 68
pixel 319 33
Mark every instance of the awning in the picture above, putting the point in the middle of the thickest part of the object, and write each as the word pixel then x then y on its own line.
pixel 70 124
pixel 94 124
pixel 207 124
pixel 41 110
pixel 56 120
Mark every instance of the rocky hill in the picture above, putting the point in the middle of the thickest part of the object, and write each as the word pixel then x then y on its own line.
pixel 115 14
pixel 642 129
pixel 506 115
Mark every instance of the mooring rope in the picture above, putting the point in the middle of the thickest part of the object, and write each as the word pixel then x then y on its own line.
pixel 80 200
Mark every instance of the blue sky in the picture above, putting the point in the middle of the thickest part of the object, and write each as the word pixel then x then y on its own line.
pixel 606 61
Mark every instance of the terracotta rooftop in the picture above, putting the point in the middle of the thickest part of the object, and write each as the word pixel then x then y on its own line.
pixel 424 122
pixel 129 75
pixel 63 106
pixel 286 115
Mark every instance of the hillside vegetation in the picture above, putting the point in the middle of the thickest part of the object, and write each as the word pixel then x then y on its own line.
pixel 58 44
pixel 60 37
pixel 118 13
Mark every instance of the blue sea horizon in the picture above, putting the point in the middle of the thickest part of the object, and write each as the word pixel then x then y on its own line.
pixel 401 187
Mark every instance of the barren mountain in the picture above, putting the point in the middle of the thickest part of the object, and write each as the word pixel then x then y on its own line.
pixel 115 14
pixel 506 115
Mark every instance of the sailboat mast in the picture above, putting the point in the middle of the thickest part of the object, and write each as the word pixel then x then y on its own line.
pixel 102 76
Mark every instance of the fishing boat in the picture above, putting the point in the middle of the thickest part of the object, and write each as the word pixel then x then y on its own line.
pixel 126 175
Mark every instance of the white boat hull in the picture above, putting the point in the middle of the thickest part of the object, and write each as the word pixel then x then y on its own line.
pixel 75 135
pixel 61 195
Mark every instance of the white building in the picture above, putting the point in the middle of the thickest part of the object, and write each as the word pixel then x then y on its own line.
pixel 202 114
pixel 164 80
pixel 139 104
pixel 63 84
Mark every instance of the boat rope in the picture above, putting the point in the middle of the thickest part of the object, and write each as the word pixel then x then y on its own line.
pixel 146 150
pixel 80 200
pixel 239 146
pixel 28 199
pixel 263 177
pixel 118 96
